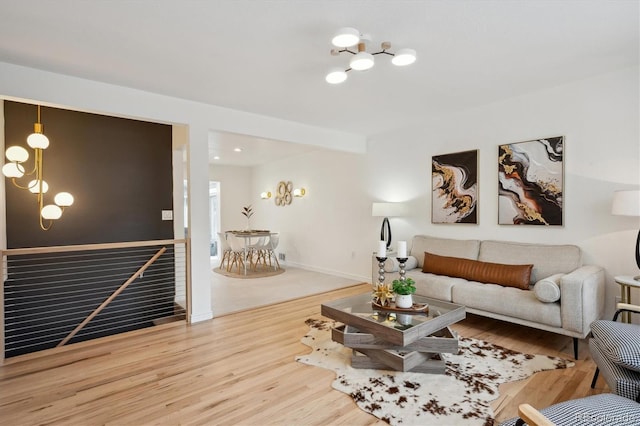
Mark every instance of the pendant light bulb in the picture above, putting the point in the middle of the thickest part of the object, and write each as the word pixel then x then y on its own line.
pixel 346 37
pixel 336 76
pixel 404 57
pixel 362 61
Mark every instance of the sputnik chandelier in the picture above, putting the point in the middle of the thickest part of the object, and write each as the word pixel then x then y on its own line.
pixel 362 60
pixel 14 169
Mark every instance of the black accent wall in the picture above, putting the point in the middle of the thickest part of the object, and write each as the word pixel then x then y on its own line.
pixel 118 170
pixel 120 174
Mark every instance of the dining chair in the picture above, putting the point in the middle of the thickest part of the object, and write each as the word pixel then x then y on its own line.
pixel 270 248
pixel 256 252
pixel 225 250
pixel 237 252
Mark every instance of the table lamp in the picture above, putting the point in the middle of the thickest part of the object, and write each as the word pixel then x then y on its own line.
pixel 387 210
pixel 627 203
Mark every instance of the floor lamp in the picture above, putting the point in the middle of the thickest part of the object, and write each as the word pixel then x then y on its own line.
pixel 627 203
pixel 387 210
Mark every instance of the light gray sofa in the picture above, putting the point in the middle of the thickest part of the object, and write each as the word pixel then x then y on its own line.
pixel 580 288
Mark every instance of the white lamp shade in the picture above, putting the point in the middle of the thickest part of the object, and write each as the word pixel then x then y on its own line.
pixel 404 57
pixel 299 192
pixel 13 170
pixel 389 209
pixel 336 76
pixel 51 212
pixel 626 203
pixel 17 154
pixel 38 140
pixel 265 195
pixel 34 187
pixel 361 61
pixel 346 37
pixel 63 199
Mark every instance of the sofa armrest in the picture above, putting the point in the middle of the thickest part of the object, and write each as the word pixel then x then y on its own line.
pixel 582 298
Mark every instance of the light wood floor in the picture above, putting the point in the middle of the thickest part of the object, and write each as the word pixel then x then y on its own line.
pixel 237 370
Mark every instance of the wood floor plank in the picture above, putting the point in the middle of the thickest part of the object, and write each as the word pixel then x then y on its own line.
pixel 238 369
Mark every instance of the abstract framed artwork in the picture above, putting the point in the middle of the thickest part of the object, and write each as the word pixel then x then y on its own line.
pixel 454 187
pixel 530 182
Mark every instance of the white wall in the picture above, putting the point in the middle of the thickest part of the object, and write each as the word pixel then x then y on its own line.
pixel 331 229
pixel 599 118
pixel 31 85
pixel 324 230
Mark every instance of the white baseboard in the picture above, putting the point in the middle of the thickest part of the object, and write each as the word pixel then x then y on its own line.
pixel 361 278
pixel 204 316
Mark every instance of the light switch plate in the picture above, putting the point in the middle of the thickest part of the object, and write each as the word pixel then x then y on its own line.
pixel 167 214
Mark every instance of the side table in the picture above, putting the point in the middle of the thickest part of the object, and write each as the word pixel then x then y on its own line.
pixel 626 282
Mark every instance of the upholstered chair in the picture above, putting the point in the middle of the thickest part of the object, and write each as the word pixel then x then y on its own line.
pixel 603 409
pixel 615 348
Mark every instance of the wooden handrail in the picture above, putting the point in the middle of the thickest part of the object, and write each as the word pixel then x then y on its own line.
pixel 86 247
pixel 113 296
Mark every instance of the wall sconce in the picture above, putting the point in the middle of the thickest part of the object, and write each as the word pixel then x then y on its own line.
pixel 299 192
pixel 265 195
pixel 14 169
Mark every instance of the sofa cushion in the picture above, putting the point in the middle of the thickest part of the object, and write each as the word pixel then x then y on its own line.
pixel 620 342
pixel 467 249
pixel 473 270
pixel 434 286
pixel 547 290
pixel 506 301
pixel 547 260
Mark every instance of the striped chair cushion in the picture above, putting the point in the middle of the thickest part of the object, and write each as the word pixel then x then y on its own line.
pixel 603 409
pixel 619 341
pixel 620 380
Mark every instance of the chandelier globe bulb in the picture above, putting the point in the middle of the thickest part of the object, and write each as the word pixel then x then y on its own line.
pixel 51 212
pixel 13 170
pixel 17 154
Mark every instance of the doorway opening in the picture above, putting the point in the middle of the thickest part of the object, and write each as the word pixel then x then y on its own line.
pixel 214 219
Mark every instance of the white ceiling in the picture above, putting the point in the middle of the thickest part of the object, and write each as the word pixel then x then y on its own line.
pixel 270 57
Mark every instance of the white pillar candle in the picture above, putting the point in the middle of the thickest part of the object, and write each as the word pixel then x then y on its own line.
pixel 402 249
pixel 382 249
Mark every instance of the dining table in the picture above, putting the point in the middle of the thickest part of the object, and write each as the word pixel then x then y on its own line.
pixel 247 236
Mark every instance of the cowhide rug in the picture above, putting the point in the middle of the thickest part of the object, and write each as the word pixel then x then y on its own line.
pixel 461 396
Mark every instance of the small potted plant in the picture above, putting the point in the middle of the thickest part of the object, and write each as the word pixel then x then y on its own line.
pixel 248 212
pixel 404 290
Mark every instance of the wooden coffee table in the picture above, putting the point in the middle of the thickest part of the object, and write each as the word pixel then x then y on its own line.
pixel 383 339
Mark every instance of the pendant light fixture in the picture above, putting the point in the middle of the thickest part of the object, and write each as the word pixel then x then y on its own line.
pixel 362 60
pixel 14 169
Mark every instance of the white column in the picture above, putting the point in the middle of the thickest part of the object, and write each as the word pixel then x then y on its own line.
pixel 198 219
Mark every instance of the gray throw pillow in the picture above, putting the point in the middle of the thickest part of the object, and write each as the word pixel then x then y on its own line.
pixel 548 289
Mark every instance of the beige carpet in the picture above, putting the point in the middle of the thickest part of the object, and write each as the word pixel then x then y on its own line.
pixel 260 273
pixel 233 295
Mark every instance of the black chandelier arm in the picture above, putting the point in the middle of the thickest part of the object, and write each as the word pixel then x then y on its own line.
pixel 383 52
pixel 345 50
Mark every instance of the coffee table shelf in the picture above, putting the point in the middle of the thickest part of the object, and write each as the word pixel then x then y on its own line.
pixel 387 340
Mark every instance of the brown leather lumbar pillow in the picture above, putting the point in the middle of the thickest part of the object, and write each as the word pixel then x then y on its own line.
pixel 475 270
